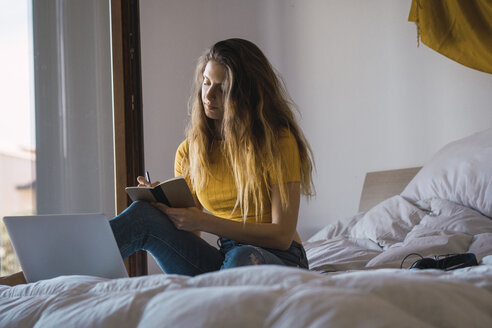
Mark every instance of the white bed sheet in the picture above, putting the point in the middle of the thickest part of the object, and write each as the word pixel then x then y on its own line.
pixel 383 236
pixel 368 293
pixel 257 296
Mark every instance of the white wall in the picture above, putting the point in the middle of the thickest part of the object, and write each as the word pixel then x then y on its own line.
pixel 369 98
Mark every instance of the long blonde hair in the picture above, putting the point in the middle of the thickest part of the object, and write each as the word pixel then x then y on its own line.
pixel 257 109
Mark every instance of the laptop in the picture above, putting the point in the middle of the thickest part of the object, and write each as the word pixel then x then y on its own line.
pixel 49 246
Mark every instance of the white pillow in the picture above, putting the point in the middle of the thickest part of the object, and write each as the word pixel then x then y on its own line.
pixel 446 215
pixel 460 172
pixel 388 222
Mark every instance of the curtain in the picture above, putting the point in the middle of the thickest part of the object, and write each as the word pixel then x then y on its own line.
pixel 458 29
pixel 73 107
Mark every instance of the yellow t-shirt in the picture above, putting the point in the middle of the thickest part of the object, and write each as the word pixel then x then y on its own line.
pixel 220 194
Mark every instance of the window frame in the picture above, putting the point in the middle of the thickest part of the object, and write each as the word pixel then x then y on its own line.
pixel 127 110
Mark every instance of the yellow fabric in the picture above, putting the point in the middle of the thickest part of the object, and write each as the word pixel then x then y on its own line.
pixel 220 194
pixel 458 29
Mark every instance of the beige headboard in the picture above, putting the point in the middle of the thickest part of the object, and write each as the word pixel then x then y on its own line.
pixel 381 185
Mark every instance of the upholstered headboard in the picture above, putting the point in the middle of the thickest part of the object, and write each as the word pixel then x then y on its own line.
pixel 381 185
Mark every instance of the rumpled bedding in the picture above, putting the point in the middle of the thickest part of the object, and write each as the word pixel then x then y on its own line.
pixel 258 296
pixel 367 289
pixel 395 228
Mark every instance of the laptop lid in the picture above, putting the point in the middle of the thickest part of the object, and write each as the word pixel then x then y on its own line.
pixel 49 246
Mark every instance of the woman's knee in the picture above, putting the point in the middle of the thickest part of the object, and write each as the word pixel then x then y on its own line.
pixel 146 216
pixel 137 223
pixel 140 206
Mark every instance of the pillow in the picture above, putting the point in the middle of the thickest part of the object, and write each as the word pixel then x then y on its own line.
pixel 449 216
pixel 388 222
pixel 461 172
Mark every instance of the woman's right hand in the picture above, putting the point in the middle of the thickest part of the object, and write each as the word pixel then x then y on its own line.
pixel 142 182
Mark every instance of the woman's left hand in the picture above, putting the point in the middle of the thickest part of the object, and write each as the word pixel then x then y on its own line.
pixel 187 219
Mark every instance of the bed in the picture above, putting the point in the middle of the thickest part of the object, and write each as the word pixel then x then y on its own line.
pixel 354 279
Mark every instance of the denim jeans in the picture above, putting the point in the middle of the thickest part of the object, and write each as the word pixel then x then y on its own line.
pixel 143 227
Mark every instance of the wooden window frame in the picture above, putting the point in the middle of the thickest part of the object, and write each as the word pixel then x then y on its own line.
pixel 127 110
pixel 127 117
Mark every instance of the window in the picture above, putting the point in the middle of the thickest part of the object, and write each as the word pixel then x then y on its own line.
pixel 17 143
pixel 58 117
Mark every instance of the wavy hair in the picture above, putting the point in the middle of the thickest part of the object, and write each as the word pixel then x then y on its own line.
pixel 257 109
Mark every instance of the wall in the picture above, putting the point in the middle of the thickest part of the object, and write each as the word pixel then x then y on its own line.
pixel 369 98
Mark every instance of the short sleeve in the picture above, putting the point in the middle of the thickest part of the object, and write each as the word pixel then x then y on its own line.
pixel 291 163
pixel 181 153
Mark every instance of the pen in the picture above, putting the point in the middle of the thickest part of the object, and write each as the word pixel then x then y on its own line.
pixel 147 176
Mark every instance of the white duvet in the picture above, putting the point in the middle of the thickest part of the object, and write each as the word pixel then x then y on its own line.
pixel 274 296
pixel 395 228
pixel 263 296
pixel 371 292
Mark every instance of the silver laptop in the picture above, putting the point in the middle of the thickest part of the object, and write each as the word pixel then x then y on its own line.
pixel 49 246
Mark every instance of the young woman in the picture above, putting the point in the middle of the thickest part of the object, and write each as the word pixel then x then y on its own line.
pixel 247 163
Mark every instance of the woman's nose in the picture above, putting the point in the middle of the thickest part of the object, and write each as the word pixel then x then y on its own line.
pixel 210 95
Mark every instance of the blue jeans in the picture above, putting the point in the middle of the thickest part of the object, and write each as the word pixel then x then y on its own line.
pixel 143 227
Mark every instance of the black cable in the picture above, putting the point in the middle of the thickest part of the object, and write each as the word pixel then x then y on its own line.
pixel 401 264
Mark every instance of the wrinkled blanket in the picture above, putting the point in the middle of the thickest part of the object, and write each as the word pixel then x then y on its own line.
pixel 262 296
pixel 395 228
pixel 366 291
